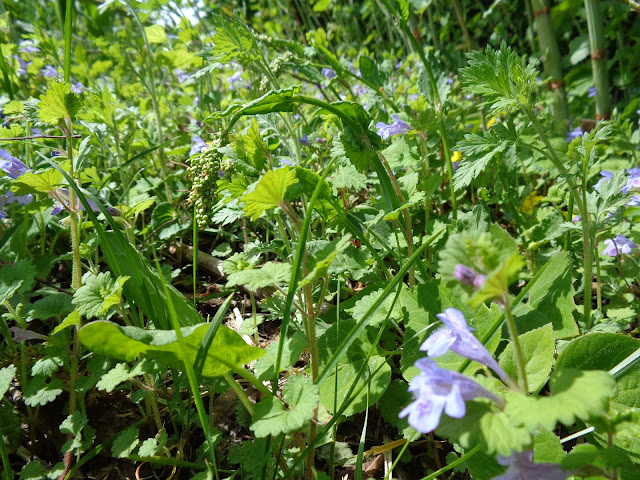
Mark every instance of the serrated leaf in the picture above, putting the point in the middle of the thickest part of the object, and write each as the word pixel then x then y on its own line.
pixel 370 72
pixel 478 151
pixel 232 40
pixel 574 395
pixel 74 423
pixel 152 446
pixel 271 418
pixel 47 365
pixel 7 374
pixel 265 276
pixel 273 101
pixel 126 443
pixel 38 182
pixel 291 351
pixel 537 348
pixel 547 448
pixel 98 294
pixel 114 377
pixel 228 350
pixel 53 305
pixel 319 261
pixel 39 392
pixel 57 104
pixel 270 191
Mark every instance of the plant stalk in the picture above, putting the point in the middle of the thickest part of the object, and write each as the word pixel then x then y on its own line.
pixel 597 44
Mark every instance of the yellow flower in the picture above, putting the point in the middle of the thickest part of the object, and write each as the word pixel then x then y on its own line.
pixel 530 202
pixel 456 157
pixel 491 122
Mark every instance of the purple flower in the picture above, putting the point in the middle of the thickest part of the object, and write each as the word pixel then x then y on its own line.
pixel 8 198
pixel 49 71
pixel 634 181
pixel 575 133
pixel 396 128
pixel 181 74
pixel 576 218
pixel 468 276
pixel 618 245
pixel 436 390
pixel 22 69
pixel 455 165
pixel 592 92
pixel 521 467
pixel 286 161
pixel 329 73
pixel 233 79
pixel 77 88
pixel 304 140
pixel 197 145
pixel 606 176
pixel 457 337
pixel 11 164
pixel 635 201
pixel 29 49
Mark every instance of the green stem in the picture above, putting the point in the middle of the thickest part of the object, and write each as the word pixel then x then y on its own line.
pixel 5 75
pixel 68 31
pixel 598 282
pixel 8 473
pixel 552 63
pixel 598 59
pixel 76 274
pixel 240 393
pixel 513 332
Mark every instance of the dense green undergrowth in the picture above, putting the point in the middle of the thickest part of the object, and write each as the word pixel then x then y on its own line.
pixel 319 240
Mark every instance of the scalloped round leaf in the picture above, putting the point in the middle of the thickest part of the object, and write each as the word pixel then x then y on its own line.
pixel 227 352
pixel 603 351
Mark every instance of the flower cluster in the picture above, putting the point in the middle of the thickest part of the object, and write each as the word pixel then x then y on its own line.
pixel 205 169
pixel 436 389
pixel 618 245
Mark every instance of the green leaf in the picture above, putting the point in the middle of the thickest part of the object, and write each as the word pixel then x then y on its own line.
pixel 375 378
pixel 155 34
pixel 74 423
pixel 603 351
pixel 551 299
pixel 39 392
pixel 478 151
pixel 117 375
pixel 481 425
pixel 228 350
pixel 38 182
pixel 369 71
pixel 7 374
pixel 290 354
pixel 269 192
pixel 501 77
pixel 318 262
pixel 98 294
pixel 232 40
pixel 53 305
pixel 70 320
pixel 547 448
pixel 271 418
pixel 267 275
pixel 153 446
pixel 58 104
pixel 574 395
pixel 497 282
pixel 126 443
pixel 537 347
pixel 271 102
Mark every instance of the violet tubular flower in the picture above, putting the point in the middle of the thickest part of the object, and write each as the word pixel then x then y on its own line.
pixel 329 73
pixel 11 165
pixel 197 144
pixel 606 176
pixel 521 467
pixel 457 337
pixel 575 133
pixel 436 390
pixel 634 179
pixel 468 276
pixel 618 245
pixel 398 127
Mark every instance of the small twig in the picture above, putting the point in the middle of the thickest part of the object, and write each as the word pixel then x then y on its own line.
pixel 55 287
pixel 32 137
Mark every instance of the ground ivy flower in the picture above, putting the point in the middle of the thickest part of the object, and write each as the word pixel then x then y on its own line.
pixel 436 390
pixel 8 198
pixel 304 140
pixel 398 127
pixel 592 92
pixel 618 245
pixel 606 176
pixel 457 337
pixel 197 144
pixel 468 276
pixel 329 73
pixel 635 201
pixel 49 71
pixel 11 165
pixel 233 79
pixel 575 133
pixel 521 467
pixel 634 180
pixel 23 66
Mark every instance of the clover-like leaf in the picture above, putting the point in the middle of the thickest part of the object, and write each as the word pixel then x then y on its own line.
pixel 270 191
pixel 272 418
